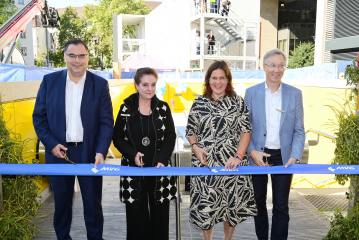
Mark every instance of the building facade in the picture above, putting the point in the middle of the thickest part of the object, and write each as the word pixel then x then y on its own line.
pixel 178 33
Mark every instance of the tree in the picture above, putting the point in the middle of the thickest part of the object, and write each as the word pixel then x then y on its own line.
pixel 40 60
pixel 99 20
pixel 302 56
pixel 71 26
pixel 7 9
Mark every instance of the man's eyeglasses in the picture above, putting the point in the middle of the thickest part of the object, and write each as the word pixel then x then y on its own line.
pixel 75 56
pixel 274 66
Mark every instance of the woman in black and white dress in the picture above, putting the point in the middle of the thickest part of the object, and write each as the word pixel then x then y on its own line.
pixel 219 131
pixel 145 135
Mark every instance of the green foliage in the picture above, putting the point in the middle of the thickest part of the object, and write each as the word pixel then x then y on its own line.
pixel 100 27
pixel 302 56
pixel 7 9
pixel 347 141
pixel 19 192
pixel 344 228
pixel 352 76
pixel 40 61
pixel 347 152
pixel 57 58
pixel 95 29
pixel 347 144
pixel 71 26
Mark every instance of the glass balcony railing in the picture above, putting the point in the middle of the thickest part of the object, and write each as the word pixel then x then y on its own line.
pixel 133 45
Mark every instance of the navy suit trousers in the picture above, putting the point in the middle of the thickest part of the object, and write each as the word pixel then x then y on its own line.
pixel 280 192
pixel 91 191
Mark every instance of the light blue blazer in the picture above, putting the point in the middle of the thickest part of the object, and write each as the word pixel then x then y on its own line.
pixel 291 133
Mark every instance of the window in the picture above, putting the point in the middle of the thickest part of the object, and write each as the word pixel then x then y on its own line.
pixel 282 45
pixel 23 51
pixel 22 34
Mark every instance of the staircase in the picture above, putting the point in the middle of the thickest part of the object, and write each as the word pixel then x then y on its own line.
pixel 230 29
pixel 233 25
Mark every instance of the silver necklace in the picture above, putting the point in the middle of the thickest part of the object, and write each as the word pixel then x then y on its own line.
pixel 145 139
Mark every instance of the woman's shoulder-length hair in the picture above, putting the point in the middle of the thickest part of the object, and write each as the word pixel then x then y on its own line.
pixel 207 92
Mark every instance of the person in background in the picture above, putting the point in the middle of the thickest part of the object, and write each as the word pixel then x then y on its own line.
pixel 211 42
pixel 225 7
pixel 276 113
pixel 218 130
pixel 213 6
pixel 198 43
pixel 197 6
pixel 145 135
pixel 73 119
pixel 218 5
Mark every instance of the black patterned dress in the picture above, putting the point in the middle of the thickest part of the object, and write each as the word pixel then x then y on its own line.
pixel 218 126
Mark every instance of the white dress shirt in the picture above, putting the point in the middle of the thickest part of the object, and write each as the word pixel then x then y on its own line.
pixel 273 114
pixel 73 97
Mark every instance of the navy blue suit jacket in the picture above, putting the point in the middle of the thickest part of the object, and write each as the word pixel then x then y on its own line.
pixel 96 114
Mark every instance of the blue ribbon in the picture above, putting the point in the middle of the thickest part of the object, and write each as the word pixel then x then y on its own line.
pixel 116 170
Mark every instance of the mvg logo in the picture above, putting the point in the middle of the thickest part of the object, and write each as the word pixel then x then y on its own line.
pixel 110 169
pixel 341 168
pixel 223 170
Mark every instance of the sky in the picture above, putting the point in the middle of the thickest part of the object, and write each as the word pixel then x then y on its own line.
pixel 69 3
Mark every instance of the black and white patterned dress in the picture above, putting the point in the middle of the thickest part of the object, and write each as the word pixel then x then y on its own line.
pixel 126 138
pixel 218 126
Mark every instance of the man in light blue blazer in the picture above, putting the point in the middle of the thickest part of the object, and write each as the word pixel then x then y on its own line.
pixel 276 113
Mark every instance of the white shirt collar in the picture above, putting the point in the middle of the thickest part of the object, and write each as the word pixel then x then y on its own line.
pixel 82 80
pixel 279 90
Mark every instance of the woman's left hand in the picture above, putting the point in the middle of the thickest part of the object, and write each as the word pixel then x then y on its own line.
pixel 159 164
pixel 232 163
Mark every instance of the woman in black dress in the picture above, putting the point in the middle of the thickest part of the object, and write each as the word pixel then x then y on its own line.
pixel 145 135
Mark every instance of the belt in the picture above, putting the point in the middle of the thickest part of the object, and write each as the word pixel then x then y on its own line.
pixel 73 144
pixel 272 150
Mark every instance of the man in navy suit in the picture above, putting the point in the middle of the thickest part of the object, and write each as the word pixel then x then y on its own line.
pixel 276 113
pixel 73 119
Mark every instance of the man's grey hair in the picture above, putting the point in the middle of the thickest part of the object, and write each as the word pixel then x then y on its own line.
pixel 271 53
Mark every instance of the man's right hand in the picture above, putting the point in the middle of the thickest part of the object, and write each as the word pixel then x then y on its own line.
pixel 200 153
pixel 257 157
pixel 59 151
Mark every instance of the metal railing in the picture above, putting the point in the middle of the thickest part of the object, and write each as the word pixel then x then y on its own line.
pixel 313 142
pixel 132 45
pixel 178 199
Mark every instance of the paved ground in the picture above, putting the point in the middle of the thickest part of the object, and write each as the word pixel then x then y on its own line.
pixel 306 220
